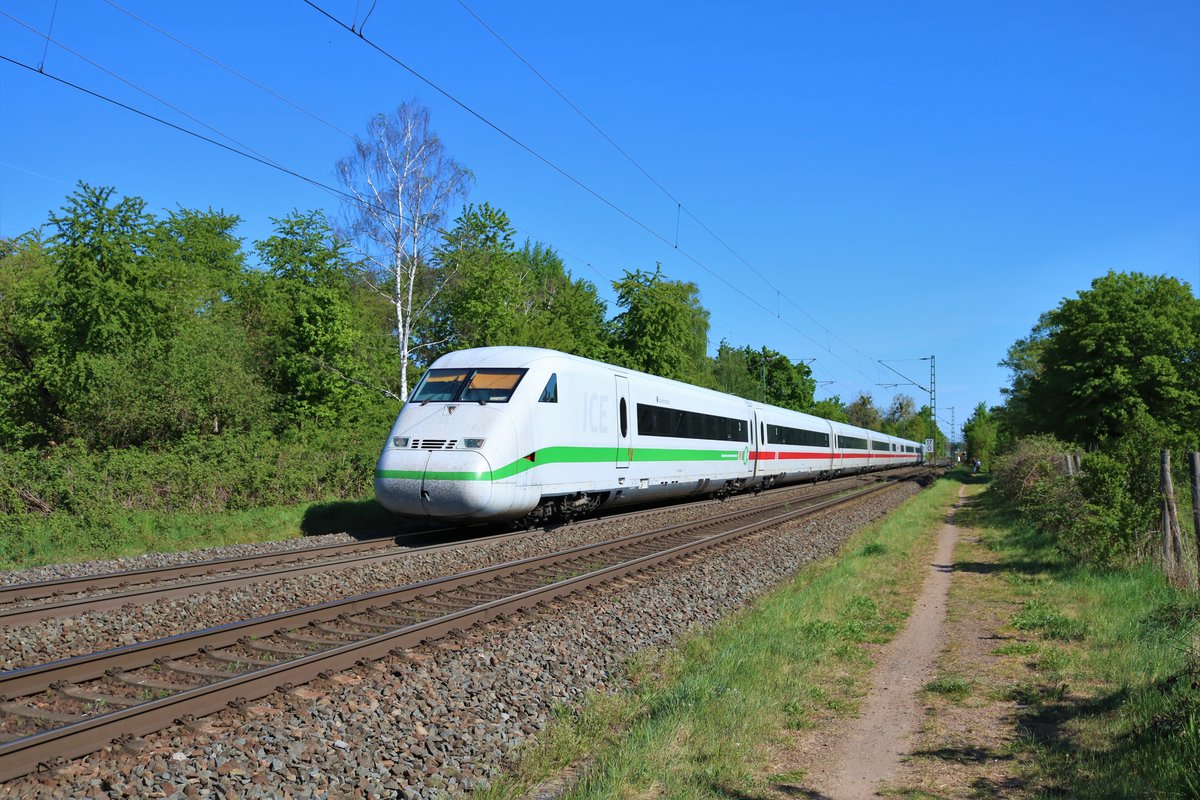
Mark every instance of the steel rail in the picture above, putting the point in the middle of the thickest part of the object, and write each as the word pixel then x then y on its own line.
pixel 36 590
pixel 20 756
pixel 24 615
pixel 149 580
pixel 30 680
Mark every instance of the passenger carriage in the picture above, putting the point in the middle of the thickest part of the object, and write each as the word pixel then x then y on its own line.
pixel 513 432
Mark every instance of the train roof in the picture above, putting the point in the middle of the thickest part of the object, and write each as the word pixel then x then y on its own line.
pixel 517 356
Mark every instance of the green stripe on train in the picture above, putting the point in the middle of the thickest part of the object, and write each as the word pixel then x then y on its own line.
pixel 568 455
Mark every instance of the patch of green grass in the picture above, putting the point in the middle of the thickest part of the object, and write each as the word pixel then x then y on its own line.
pixel 952 687
pixel 1109 706
pixel 34 540
pixel 1054 660
pixel 700 720
pixel 1016 649
pixel 791 776
pixel 1038 615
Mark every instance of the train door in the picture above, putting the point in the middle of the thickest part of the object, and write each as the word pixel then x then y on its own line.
pixel 758 442
pixel 624 424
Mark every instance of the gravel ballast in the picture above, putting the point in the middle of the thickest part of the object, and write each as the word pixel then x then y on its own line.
pixel 54 639
pixel 442 718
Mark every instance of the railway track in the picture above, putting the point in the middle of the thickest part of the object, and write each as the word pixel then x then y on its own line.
pixel 26 603
pixel 72 707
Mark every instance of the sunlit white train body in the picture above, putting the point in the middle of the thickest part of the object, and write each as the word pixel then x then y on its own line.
pixel 509 433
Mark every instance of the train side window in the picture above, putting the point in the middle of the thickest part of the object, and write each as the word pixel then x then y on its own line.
pixel 762 433
pixel 550 393
pixel 624 419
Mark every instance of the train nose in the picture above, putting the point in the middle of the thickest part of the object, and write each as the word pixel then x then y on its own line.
pixel 438 484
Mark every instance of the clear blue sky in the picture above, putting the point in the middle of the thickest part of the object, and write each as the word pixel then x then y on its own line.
pixel 903 179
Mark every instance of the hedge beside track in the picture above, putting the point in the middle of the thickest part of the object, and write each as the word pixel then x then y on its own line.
pixel 200 474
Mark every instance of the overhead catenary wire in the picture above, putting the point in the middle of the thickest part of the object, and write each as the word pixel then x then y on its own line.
pixel 680 207
pixel 564 173
pixel 307 112
pixel 131 85
pixel 264 160
pixel 147 115
pixel 230 69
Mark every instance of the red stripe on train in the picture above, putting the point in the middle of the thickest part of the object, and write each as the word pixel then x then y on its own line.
pixel 764 455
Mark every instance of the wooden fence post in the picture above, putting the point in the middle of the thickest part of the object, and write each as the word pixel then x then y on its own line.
pixel 1176 570
pixel 1164 481
pixel 1194 462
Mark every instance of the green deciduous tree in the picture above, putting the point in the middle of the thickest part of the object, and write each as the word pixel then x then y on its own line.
pixel 830 408
pixel 981 434
pixel 901 419
pixel 28 406
pixel 198 381
pixel 563 312
pixel 305 320
pixel 481 302
pixel 765 375
pixel 732 370
pixel 141 347
pixel 662 328
pixel 402 180
pixel 495 294
pixel 864 413
pixel 106 286
pixel 1130 345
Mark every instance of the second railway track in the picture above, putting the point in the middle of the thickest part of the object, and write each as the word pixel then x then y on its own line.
pixel 71 707
pixel 27 603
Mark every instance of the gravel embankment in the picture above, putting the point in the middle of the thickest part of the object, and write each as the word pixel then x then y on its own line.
pixel 441 719
pixel 54 639
pixel 79 569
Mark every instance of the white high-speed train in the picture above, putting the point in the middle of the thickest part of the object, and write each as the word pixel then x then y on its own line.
pixel 504 433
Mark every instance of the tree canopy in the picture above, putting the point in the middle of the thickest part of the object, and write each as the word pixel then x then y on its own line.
pixel 764 375
pixel 1127 347
pixel 662 328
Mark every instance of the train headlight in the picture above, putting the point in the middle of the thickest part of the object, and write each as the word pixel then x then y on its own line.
pixel 400 441
pixel 473 444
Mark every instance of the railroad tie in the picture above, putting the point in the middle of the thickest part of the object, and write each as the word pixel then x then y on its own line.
pixel 39 714
pixel 402 617
pixel 225 658
pixel 442 604
pixel 76 693
pixel 200 672
pixel 327 628
pixel 148 683
pixel 313 640
pixel 274 649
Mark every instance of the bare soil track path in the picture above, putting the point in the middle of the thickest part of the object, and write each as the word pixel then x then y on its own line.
pixel 855 758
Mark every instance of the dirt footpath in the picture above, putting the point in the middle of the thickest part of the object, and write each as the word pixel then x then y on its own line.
pixel 906 740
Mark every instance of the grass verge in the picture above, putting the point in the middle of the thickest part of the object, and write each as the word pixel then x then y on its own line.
pixel 1102 668
pixel 31 540
pixel 702 718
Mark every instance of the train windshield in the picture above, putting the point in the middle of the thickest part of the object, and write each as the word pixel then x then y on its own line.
pixel 467 386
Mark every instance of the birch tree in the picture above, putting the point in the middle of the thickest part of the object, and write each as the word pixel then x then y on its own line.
pixel 402 181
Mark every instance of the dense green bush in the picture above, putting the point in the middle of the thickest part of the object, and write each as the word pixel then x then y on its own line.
pixel 1031 479
pixel 200 473
pixel 1106 515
